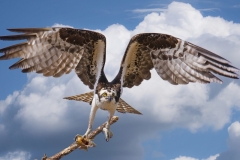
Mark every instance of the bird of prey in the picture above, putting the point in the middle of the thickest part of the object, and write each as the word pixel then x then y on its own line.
pixel 57 51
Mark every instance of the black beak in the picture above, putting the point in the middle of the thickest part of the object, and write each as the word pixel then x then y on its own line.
pixel 109 98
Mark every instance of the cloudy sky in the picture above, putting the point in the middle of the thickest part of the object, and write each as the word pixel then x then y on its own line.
pixel 186 122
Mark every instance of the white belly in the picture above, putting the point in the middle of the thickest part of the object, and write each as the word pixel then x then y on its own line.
pixel 105 105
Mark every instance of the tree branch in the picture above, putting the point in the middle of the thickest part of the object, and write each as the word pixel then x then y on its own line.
pixel 74 145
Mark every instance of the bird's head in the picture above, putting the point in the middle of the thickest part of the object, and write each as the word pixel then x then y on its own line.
pixel 107 94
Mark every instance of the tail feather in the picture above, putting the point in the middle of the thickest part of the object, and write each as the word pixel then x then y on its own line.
pixel 86 97
pixel 122 107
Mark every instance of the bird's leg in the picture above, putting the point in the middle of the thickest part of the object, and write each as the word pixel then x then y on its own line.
pixel 91 119
pixel 106 130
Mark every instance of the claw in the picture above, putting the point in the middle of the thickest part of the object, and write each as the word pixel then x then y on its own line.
pixel 83 142
pixel 108 134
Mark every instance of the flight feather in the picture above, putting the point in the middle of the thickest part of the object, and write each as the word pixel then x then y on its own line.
pixel 175 60
pixel 57 51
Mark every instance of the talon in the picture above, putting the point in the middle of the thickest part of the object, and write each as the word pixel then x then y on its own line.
pixel 87 133
pixel 108 134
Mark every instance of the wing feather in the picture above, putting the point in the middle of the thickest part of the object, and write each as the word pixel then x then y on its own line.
pixel 175 60
pixel 29 30
pixel 18 37
pixel 57 51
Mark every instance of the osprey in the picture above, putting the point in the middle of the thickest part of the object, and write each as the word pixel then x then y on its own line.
pixel 57 51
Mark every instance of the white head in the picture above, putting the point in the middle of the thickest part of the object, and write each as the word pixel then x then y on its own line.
pixel 107 94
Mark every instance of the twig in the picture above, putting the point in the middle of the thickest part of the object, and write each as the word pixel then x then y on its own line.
pixel 74 146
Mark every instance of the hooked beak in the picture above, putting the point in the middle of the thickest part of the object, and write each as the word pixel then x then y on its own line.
pixel 109 98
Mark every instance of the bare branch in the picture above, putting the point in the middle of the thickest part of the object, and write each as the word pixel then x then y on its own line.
pixel 74 145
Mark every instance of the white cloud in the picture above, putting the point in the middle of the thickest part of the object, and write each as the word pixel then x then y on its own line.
pixel 61 25
pixel 163 8
pixel 18 155
pixel 212 157
pixel 117 39
pixel 185 158
pixel 184 21
pixel 234 137
pixel 148 10
pixel 7 101
pixel 41 107
pixel 233 151
pixel 191 158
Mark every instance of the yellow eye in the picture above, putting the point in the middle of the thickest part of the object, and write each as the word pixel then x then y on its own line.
pixel 104 95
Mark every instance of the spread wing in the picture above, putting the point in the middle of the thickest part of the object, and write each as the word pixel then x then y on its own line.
pixel 175 60
pixel 122 107
pixel 56 51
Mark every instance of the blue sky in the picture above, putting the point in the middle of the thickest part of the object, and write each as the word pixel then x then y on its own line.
pixel 179 122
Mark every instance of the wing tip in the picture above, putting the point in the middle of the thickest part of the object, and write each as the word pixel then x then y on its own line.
pixel 68 98
pixel 28 30
pixel 17 37
pixel 3 57
pixel 138 113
